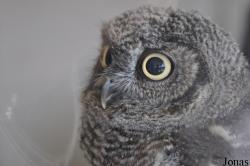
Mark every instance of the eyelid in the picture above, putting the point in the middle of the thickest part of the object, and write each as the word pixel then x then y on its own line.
pixel 104 52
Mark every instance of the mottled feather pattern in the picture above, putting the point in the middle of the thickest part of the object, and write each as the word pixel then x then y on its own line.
pixel 168 122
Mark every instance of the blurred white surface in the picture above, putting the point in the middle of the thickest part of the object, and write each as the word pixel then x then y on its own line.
pixel 47 48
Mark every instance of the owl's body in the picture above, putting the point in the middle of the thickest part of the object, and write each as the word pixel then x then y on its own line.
pixel 194 115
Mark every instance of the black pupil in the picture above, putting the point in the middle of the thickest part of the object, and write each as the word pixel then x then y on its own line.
pixel 108 59
pixel 155 66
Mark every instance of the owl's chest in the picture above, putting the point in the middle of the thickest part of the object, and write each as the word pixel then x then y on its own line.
pixel 115 146
pixel 111 146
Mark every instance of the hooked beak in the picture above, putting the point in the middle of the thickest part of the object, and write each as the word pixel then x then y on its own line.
pixel 107 93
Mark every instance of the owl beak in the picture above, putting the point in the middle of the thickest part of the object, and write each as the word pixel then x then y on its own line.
pixel 107 93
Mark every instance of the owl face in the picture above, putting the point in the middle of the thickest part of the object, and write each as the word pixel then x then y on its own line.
pixel 157 63
pixel 146 73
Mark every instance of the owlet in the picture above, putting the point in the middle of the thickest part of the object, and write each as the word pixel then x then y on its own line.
pixel 169 88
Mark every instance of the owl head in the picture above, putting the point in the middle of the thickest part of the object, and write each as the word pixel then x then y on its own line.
pixel 160 67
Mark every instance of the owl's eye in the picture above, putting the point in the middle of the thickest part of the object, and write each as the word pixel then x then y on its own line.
pixel 106 58
pixel 156 66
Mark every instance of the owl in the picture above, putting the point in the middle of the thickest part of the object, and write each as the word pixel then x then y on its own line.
pixel 169 88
